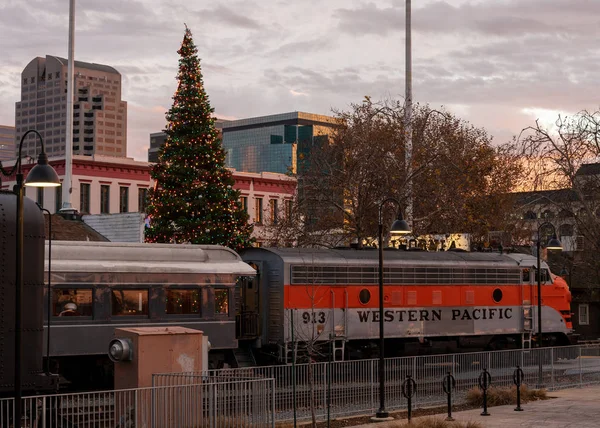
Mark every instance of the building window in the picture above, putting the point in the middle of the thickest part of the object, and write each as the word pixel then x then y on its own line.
pixel 244 202
pixel 565 230
pixel 129 302
pixel 273 210
pixel 58 199
pixel 288 209
pixel 124 199
pixel 548 214
pixel 142 200
pixel 72 302
pixel 584 314
pixel 258 211
pixel 84 198
pixel 104 199
pixel 222 301
pixel 39 197
pixel 182 302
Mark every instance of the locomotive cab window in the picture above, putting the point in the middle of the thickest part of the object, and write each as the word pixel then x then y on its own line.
pixel 221 301
pixel 182 301
pixel 72 302
pixel 129 302
pixel 546 276
pixel 527 275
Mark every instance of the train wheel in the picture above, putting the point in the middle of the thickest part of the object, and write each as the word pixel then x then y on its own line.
pixel 498 344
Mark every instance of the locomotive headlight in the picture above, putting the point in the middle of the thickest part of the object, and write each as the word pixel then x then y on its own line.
pixel 120 350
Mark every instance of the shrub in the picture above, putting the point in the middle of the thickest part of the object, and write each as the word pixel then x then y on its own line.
pixel 503 396
pixel 439 423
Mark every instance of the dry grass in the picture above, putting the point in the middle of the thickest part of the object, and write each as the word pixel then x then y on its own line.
pixel 439 423
pixel 504 396
pixel 423 422
pixel 228 422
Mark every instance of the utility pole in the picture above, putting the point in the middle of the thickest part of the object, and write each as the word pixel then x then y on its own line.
pixel 408 115
pixel 67 188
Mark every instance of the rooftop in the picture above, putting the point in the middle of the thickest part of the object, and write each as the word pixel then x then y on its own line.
pixel 291 118
pixel 545 196
pixel 88 65
pixel 71 230
pixel 589 169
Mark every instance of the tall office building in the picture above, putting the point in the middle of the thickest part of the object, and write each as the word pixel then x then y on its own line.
pixel 99 114
pixel 157 139
pixel 276 143
pixel 7 142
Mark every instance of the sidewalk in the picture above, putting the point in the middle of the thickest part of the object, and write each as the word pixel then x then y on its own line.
pixel 576 408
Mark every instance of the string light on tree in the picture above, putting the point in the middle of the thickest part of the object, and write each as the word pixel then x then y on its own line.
pixel 193 199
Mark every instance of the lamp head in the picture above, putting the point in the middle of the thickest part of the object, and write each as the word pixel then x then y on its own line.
pixel 400 227
pixel 554 244
pixel 42 175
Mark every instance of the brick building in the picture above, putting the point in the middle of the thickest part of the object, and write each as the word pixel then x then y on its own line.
pixel 118 187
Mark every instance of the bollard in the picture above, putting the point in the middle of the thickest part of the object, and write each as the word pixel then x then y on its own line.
pixel 518 379
pixel 449 385
pixel 409 387
pixel 485 379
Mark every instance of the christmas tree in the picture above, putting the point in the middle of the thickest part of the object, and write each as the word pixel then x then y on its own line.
pixel 193 199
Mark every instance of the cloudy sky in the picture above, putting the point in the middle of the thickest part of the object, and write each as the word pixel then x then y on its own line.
pixel 498 63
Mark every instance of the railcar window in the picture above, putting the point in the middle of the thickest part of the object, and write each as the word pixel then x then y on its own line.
pixel 364 296
pixel 497 295
pixel 129 302
pixel 222 301
pixel 182 302
pixel 72 302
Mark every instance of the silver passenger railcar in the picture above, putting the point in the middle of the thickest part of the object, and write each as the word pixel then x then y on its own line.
pixel 97 287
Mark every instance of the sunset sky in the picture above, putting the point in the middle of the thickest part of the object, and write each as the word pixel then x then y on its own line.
pixel 498 63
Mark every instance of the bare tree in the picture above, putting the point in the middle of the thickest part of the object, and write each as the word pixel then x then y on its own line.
pixel 562 161
pixel 460 181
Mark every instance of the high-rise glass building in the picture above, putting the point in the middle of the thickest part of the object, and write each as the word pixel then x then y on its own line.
pixel 7 143
pixel 277 143
pixel 157 139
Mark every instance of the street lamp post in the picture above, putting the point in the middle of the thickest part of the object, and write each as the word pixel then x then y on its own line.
pixel 553 244
pixel 41 175
pixel 49 289
pixel 399 227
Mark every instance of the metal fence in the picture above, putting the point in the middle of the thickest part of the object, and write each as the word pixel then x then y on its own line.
pixel 211 403
pixel 352 387
pixel 258 396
